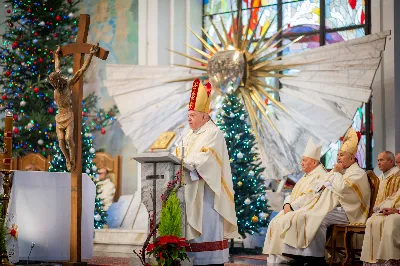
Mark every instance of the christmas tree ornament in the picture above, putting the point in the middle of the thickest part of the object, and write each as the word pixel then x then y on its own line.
pixel 92 150
pixel 262 198
pixel 103 131
pixel 262 177
pixel 16 130
pixel 94 168
pixel 242 117
pixel 247 201
pixel 254 219
pixel 71 15
pixel 263 215
pixel 4 97
pixel 240 183
pixel 40 142
pixel 237 136
pixel 36 90
pixel 239 155
pixel 232 115
pixel 251 173
pixel 97 217
pixel 42 24
pixel 87 171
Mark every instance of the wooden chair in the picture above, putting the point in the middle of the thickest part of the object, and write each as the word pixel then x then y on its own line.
pixel 39 161
pixel 349 230
pixel 104 160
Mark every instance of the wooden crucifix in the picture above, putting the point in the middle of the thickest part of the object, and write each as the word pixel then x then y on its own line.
pixel 78 50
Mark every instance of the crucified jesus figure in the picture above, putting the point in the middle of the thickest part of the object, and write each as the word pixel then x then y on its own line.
pixel 62 96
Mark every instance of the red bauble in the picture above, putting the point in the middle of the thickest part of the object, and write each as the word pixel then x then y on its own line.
pixel 55 34
pixel 25 146
pixel 103 131
pixel 266 101
pixel 50 110
pixel 36 89
pixel 58 18
pixel 8 11
pixel 36 33
pixel 14 45
pixel 83 114
pixel 69 1
pixel 16 130
pixel 8 73
pixel 15 117
pixel 4 97
pixel 40 60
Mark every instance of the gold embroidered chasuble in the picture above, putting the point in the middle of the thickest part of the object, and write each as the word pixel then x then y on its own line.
pixel 351 190
pixel 206 150
pixel 382 233
pixel 301 195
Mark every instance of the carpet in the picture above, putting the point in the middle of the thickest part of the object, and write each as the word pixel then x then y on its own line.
pixel 108 261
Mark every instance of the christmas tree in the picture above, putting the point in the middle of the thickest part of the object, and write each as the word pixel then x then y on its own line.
pixel 34 28
pixel 248 182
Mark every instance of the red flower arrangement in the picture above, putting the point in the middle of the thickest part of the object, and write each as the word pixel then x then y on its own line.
pixel 168 250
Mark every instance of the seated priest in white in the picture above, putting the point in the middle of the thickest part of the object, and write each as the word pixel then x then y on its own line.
pixel 386 163
pixel 344 199
pixel 301 194
pixel 106 187
pixel 381 244
pixel 209 196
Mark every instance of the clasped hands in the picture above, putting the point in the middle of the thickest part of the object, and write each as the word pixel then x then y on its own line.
pixel 337 168
pixel 389 211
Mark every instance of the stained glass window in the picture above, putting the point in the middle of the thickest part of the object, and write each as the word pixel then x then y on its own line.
pixel 343 13
pixel 344 20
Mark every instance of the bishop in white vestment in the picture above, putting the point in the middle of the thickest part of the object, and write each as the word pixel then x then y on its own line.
pixel 381 244
pixel 301 194
pixel 344 199
pixel 209 195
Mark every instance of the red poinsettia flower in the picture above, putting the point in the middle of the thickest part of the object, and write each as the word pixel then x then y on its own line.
pixel 150 247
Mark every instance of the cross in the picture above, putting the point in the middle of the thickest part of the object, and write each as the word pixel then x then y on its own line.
pixel 78 49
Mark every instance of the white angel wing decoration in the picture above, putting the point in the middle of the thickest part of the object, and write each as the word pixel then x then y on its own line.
pixel 320 94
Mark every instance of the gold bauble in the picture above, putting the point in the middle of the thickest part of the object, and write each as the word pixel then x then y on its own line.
pixel 254 219
pixel 240 183
pixel 105 226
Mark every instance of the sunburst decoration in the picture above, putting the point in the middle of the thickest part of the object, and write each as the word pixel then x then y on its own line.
pixel 235 66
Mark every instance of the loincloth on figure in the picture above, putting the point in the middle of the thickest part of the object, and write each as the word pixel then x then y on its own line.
pixel 64 119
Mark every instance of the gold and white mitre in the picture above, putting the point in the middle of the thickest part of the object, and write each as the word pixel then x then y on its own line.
pixel 200 97
pixel 350 142
pixel 312 151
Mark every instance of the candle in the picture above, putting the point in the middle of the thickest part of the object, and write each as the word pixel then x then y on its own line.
pixel 7 146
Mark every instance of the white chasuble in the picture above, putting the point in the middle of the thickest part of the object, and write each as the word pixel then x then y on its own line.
pixel 206 150
pixel 301 195
pixel 382 232
pixel 351 190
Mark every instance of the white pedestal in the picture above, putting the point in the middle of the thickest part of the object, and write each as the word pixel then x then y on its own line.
pixel 118 240
pixel 42 204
